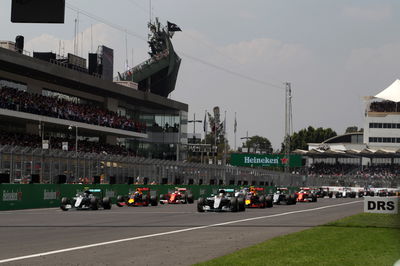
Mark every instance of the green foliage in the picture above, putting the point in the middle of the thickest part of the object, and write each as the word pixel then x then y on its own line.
pixel 261 143
pixel 300 139
pixel 351 129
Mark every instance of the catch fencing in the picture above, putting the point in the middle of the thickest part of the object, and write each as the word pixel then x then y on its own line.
pixel 22 163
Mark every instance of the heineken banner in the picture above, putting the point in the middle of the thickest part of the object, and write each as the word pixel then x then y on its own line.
pixel 266 160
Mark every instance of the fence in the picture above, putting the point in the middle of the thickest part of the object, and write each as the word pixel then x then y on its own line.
pixel 21 163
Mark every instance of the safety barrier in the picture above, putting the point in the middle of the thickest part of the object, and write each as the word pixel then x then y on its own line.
pixel 29 196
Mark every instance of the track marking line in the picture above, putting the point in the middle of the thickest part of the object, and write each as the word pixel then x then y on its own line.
pixel 169 233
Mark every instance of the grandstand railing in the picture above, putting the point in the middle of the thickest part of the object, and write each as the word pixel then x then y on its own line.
pixel 23 162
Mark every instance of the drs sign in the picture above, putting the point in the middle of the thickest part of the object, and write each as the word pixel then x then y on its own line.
pixel 381 205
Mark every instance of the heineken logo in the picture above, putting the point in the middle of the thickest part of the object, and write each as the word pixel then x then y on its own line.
pixel 12 196
pixel 265 160
pixel 258 160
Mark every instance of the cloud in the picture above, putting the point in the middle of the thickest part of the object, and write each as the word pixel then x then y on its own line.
pixel 368 14
pixel 260 108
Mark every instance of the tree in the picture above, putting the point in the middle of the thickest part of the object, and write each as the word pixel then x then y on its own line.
pixel 300 139
pixel 351 129
pixel 260 143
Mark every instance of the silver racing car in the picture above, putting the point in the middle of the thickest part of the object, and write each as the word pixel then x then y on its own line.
pixel 225 200
pixel 86 200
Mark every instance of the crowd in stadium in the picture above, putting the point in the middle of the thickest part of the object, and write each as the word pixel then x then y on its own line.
pixel 338 169
pixel 384 106
pixel 326 169
pixel 22 101
pixel 380 170
pixel 35 141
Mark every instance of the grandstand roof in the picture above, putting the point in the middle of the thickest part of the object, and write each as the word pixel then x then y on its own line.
pixel 366 152
pixel 391 93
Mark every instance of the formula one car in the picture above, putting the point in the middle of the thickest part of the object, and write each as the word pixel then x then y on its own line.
pixel 346 193
pixel 225 200
pixel 383 193
pixel 306 195
pixel 255 198
pixel 180 195
pixel 323 192
pixel 282 196
pixel 86 200
pixel 141 197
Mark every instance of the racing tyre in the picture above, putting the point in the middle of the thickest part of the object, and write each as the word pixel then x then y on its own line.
pixel 330 194
pixel 269 202
pixel 234 205
pixel 64 202
pixel 120 199
pixel 360 194
pixel 291 200
pixel 93 203
pixel 162 199
pixel 263 203
pixel 185 199
pixel 106 203
pixel 153 201
pixel 241 204
pixel 313 198
pixel 190 198
pixel 146 200
pixel 372 193
pixel 200 204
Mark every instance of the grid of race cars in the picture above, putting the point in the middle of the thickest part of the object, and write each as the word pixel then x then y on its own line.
pixel 226 199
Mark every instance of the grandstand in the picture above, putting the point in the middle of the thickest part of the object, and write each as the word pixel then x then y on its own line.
pixel 46 101
pixel 373 153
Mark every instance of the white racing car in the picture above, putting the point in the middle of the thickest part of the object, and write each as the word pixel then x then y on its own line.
pixel 225 200
pixel 86 201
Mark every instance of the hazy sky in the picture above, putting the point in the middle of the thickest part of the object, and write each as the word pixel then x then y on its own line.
pixel 332 52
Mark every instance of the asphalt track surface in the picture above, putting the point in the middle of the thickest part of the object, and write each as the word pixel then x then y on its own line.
pixel 162 235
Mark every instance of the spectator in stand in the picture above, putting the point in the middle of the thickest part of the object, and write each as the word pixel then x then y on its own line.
pixel 35 141
pixel 22 101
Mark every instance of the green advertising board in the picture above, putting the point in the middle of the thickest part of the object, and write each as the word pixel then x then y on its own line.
pixel 265 160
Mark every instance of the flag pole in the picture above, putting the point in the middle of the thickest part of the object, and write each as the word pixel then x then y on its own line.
pixel 224 163
pixel 205 135
pixel 235 131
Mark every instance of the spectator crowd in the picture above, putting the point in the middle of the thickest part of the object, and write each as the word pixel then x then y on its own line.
pixel 384 106
pixel 35 141
pixel 22 101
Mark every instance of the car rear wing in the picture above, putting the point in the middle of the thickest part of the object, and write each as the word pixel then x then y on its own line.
pixel 95 190
pixel 143 188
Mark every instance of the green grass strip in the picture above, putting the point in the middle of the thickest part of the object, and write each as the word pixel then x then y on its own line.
pixel 363 239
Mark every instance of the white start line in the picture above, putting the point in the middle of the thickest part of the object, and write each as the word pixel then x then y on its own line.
pixel 168 233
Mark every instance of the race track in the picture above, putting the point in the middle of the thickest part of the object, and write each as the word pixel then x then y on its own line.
pixel 162 235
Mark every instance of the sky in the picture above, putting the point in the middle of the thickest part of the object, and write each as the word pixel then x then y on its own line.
pixel 238 54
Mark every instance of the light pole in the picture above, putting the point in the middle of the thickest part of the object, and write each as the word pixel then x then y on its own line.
pixel 194 121
pixel 76 149
pixel 247 138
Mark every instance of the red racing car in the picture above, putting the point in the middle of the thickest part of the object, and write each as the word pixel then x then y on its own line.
pixel 141 197
pixel 255 198
pixel 305 195
pixel 180 195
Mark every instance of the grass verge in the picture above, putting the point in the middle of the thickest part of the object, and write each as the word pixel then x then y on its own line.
pixel 363 239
